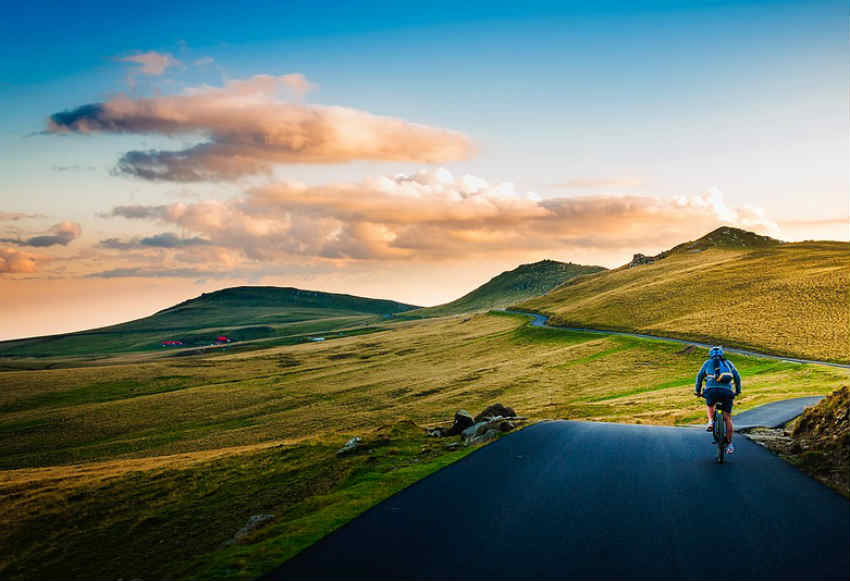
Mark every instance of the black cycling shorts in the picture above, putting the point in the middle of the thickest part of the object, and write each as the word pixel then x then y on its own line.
pixel 720 396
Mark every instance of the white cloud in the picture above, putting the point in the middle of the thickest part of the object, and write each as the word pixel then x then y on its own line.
pixel 152 62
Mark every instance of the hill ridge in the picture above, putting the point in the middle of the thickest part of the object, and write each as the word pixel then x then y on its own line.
pixel 521 283
pixel 281 292
pixel 728 237
pixel 784 298
pixel 233 314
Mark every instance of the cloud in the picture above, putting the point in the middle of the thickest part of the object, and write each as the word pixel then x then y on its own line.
pixel 247 129
pixel 583 183
pixel 163 240
pixel 62 234
pixel 217 270
pixel 171 240
pixel 13 261
pixel 118 244
pixel 152 62
pixel 434 215
pixel 298 84
pixel 156 273
pixel 817 222
pixel 203 61
pixel 136 212
pixel 16 216
pixel 61 168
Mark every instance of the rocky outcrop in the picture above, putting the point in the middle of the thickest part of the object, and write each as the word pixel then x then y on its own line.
pixel 495 410
pixel 486 430
pixel 462 420
pixel 639 259
pixel 494 420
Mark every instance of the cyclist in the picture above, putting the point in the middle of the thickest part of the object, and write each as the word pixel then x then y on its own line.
pixel 719 375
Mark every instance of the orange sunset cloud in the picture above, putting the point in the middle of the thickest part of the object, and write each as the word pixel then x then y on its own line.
pixel 248 129
pixel 430 215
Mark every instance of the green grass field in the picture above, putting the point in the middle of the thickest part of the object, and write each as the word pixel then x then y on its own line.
pixel 788 299
pixel 145 468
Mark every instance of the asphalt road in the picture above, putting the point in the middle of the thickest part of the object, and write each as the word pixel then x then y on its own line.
pixel 583 500
pixel 541 321
pixel 773 415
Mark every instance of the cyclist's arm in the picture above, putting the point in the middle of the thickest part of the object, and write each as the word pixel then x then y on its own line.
pixel 700 378
pixel 737 378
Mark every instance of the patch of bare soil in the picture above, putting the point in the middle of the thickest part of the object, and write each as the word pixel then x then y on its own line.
pixel 818 442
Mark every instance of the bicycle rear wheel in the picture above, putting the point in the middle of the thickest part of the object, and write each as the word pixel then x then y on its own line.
pixel 720 436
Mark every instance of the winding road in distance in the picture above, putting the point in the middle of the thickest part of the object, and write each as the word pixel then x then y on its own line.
pixel 541 321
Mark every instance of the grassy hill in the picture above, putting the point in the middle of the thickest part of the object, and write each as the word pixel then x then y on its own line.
pixel 524 282
pixel 731 287
pixel 241 313
pixel 158 463
pixel 724 237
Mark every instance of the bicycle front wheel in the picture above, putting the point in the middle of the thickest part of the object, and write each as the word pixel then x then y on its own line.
pixel 720 436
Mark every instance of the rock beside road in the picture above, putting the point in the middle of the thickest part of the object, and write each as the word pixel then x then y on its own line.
pixel 486 430
pixel 462 420
pixel 494 420
pixel 495 410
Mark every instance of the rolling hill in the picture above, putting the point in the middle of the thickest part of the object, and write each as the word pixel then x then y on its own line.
pixel 132 451
pixel 240 314
pixel 524 282
pixel 730 286
pixel 186 449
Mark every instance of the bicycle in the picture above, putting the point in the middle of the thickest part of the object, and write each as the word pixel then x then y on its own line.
pixel 719 433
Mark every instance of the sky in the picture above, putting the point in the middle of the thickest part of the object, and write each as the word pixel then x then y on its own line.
pixel 151 152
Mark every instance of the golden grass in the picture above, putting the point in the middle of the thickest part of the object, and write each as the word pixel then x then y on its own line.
pixel 421 370
pixel 175 454
pixel 790 299
pixel 100 472
pixel 176 520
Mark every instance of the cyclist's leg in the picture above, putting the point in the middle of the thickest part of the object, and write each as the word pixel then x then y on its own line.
pixel 727 418
pixel 726 406
pixel 710 404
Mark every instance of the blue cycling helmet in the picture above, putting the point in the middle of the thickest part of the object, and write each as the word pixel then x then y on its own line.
pixel 716 351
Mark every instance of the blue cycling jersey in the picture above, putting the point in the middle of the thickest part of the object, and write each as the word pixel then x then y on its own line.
pixel 706 373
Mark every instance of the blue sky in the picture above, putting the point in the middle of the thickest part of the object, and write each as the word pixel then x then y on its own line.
pixel 639 85
pixel 653 99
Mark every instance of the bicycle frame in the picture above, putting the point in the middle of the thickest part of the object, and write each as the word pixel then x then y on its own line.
pixel 719 433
